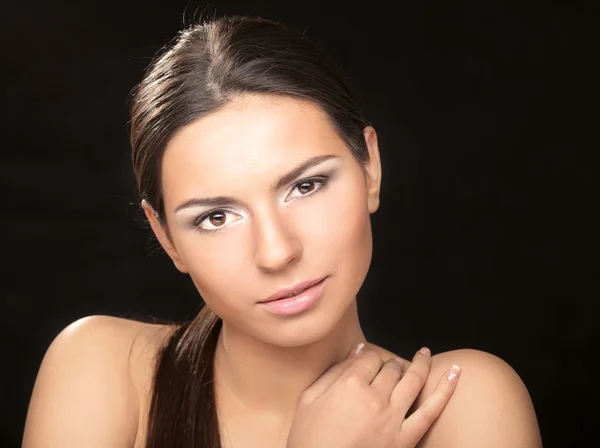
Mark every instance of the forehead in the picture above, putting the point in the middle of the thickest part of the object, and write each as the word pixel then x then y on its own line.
pixel 254 138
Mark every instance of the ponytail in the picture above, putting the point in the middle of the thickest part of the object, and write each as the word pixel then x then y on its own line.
pixel 182 412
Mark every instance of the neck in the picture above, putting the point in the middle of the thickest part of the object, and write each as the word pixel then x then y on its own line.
pixel 264 378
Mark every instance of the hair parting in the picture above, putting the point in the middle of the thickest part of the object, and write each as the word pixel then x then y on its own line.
pixel 205 67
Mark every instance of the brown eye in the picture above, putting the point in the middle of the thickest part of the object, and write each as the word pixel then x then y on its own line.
pixel 217 219
pixel 306 186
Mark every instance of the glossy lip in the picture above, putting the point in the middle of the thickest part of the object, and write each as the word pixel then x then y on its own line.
pixel 291 289
pixel 296 304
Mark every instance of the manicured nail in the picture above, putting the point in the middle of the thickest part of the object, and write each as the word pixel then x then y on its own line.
pixel 425 351
pixel 359 348
pixel 454 371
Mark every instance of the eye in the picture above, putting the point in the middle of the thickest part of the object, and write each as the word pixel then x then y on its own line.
pixel 212 221
pixel 307 187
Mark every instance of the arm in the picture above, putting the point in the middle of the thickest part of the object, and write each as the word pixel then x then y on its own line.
pixel 82 394
pixel 490 407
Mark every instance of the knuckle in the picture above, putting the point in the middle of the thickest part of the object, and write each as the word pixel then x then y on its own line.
pixel 371 355
pixel 361 370
pixel 428 416
pixel 374 405
pixel 393 364
pixel 353 382
pixel 415 375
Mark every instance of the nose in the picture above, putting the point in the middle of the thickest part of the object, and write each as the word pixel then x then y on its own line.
pixel 277 243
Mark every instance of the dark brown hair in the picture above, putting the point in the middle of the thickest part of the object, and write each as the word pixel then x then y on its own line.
pixel 207 65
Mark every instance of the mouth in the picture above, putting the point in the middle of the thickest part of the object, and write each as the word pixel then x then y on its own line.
pixel 292 291
pixel 301 298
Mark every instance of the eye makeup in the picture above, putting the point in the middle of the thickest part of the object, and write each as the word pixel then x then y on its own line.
pixel 321 180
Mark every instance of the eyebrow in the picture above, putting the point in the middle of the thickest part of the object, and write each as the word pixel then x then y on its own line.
pixel 283 180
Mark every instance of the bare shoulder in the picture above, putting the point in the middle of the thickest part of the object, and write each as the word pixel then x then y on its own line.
pixel 86 392
pixel 490 406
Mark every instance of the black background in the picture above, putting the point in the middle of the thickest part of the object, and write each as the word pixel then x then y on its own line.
pixel 486 114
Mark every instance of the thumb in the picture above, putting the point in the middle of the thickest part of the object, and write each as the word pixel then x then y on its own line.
pixel 329 377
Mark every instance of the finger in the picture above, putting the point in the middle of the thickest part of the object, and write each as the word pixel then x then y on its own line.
pixel 364 368
pixel 415 426
pixel 323 383
pixel 387 378
pixel 413 380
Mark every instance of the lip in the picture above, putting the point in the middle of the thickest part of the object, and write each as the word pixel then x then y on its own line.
pixel 290 289
pixel 295 304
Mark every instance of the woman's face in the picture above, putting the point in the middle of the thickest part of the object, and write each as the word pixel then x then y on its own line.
pixel 270 233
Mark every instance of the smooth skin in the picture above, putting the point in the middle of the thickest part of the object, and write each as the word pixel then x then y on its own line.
pixel 364 402
pixel 93 387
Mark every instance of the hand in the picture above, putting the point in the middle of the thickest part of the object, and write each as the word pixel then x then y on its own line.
pixel 362 402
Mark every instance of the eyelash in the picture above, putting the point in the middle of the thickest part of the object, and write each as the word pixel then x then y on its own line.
pixel 323 180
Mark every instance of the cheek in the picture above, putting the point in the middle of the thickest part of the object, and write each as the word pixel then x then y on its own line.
pixel 341 235
pixel 216 266
pixel 351 244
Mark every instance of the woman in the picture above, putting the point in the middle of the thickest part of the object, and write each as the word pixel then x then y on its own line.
pixel 258 176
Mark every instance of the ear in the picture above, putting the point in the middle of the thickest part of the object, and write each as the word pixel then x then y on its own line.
pixel 163 237
pixel 373 169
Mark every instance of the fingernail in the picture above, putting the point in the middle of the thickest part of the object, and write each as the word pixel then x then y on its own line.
pixel 359 348
pixel 454 371
pixel 425 351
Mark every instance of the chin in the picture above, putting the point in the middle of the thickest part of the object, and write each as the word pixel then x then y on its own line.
pixel 304 329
